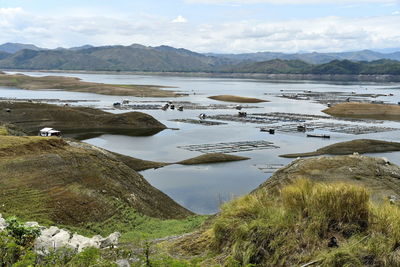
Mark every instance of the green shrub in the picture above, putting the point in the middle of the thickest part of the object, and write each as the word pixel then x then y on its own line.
pixel 90 257
pixel 23 235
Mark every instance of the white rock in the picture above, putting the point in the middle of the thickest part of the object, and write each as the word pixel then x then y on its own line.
pixel 110 241
pixel 52 238
pixel 123 263
pixel 3 223
pixel 79 242
pixel 32 224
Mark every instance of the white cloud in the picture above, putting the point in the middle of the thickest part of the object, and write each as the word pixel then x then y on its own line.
pixel 321 34
pixel 10 11
pixel 282 2
pixel 179 19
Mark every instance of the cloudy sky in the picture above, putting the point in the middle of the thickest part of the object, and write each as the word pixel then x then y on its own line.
pixel 227 26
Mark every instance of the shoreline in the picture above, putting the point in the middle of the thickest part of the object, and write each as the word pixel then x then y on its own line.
pixel 300 78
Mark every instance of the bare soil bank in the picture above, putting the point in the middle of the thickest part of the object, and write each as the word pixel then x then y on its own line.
pixel 76 85
pixel 360 146
pixel 365 110
pixel 31 117
pixel 237 99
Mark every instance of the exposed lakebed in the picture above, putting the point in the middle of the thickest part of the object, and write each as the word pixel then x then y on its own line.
pixel 202 188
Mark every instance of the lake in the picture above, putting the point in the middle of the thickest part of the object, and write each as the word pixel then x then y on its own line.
pixel 203 188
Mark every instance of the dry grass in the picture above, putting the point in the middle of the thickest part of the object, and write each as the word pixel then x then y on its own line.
pixel 365 110
pixel 3 131
pixel 237 99
pixel 76 85
pixel 294 227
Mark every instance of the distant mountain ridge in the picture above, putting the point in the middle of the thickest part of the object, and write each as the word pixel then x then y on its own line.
pixel 335 67
pixel 313 58
pixel 114 58
pixel 137 57
pixel 12 48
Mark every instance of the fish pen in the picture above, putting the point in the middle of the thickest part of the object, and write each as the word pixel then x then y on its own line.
pixel 180 105
pixel 269 168
pixel 279 117
pixel 230 147
pixel 201 122
pixel 332 127
pixel 330 97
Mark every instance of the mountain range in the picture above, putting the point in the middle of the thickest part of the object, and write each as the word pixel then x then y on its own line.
pixel 168 59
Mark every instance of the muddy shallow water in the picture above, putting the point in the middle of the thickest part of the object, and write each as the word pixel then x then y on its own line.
pixel 203 188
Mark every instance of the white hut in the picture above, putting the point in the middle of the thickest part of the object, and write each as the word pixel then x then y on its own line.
pixel 49 132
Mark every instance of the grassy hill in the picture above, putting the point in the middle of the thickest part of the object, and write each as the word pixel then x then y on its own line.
pixel 31 117
pixel 51 180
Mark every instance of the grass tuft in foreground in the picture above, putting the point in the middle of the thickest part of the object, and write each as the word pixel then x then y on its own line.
pixel 296 226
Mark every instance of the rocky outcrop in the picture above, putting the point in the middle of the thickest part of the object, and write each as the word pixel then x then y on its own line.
pixel 54 238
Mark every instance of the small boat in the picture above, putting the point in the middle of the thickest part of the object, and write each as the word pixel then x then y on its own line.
pixel 319 135
pixel 301 128
pixel 180 108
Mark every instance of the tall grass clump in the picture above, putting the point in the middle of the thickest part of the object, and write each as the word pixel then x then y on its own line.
pixel 339 207
pixel 293 226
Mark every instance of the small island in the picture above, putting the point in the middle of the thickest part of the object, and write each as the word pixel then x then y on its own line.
pixel 360 146
pixel 365 110
pixel 237 99
pixel 75 121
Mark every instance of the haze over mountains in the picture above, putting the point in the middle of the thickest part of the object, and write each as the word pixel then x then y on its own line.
pixel 168 59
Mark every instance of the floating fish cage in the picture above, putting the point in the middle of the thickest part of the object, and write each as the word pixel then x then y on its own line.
pixel 230 147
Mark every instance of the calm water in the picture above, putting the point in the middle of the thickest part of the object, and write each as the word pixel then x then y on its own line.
pixel 202 188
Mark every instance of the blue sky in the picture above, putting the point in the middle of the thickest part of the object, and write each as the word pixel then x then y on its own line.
pixel 228 26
